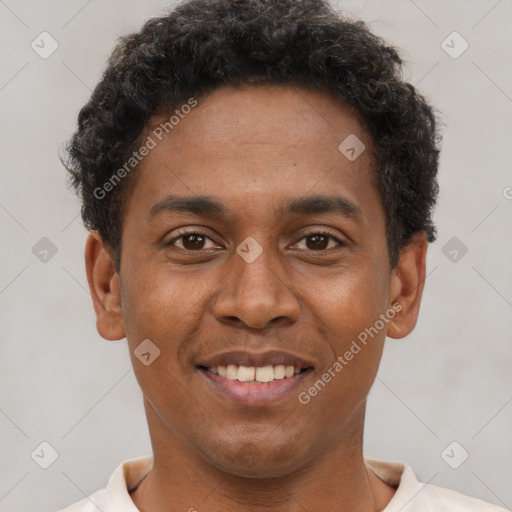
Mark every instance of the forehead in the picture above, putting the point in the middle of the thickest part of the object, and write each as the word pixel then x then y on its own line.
pixel 255 143
pixel 264 115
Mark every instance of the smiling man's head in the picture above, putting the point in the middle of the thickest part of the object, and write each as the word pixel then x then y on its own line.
pixel 259 183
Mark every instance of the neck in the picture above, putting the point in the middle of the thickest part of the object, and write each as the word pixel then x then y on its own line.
pixel 182 480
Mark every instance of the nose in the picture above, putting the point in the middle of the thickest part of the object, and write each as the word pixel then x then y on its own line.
pixel 256 294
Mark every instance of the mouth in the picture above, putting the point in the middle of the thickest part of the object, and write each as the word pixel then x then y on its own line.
pixel 255 379
pixel 254 374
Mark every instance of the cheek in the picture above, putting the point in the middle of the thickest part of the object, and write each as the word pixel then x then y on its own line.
pixel 151 299
pixel 158 308
pixel 348 309
pixel 349 302
pixel 163 305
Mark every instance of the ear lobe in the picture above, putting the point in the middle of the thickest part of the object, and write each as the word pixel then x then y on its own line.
pixel 407 283
pixel 105 288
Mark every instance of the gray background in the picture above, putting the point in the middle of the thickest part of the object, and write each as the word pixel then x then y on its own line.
pixel 450 380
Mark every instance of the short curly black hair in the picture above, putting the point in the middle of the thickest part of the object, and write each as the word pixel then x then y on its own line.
pixel 201 45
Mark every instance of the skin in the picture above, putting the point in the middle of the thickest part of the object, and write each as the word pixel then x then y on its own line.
pixel 254 148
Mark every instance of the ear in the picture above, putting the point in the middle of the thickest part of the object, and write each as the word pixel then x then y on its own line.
pixel 406 289
pixel 105 288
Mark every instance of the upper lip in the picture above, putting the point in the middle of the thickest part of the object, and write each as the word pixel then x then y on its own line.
pixel 244 358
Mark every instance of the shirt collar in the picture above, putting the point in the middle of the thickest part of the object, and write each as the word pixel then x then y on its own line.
pixel 402 477
pixel 130 473
pixel 126 477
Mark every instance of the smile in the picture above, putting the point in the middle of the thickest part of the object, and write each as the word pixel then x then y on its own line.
pixel 254 379
pixel 252 392
pixel 255 374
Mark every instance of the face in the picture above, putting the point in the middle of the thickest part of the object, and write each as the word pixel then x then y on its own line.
pixel 250 240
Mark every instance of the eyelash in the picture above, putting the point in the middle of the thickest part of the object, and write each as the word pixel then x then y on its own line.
pixel 199 231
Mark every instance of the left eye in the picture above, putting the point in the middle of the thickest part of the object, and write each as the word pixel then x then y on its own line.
pixel 320 241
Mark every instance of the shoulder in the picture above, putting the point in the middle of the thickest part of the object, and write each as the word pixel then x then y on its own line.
pixel 116 495
pixel 92 503
pixel 412 495
pixel 441 499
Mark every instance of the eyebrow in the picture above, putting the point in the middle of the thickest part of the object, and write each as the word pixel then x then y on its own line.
pixel 212 207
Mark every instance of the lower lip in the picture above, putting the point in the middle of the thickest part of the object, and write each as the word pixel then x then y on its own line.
pixel 260 394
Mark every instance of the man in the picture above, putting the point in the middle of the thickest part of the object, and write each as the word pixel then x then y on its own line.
pixel 259 183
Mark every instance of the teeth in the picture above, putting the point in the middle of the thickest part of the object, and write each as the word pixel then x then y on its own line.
pixel 279 371
pixel 246 374
pixel 265 374
pixel 255 374
pixel 231 372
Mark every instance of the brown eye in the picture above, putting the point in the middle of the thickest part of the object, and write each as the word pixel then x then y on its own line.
pixel 320 241
pixel 191 241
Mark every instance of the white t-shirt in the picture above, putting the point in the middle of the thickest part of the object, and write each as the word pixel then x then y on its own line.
pixel 410 496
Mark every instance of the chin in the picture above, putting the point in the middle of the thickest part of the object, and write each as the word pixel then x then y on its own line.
pixel 256 460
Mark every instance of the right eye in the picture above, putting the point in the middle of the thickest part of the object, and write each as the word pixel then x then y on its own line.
pixel 192 240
